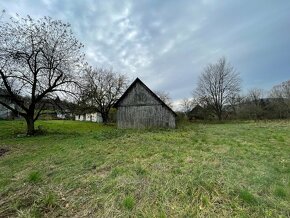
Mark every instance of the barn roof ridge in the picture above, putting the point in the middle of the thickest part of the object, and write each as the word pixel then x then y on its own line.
pixel 147 88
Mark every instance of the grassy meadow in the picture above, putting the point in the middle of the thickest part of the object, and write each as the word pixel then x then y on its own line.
pixel 82 169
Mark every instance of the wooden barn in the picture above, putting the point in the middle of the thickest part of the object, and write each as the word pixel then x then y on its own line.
pixel 139 107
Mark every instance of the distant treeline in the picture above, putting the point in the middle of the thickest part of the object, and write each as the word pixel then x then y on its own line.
pixel 256 105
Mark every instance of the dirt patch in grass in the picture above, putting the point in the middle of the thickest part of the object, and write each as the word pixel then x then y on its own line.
pixel 3 151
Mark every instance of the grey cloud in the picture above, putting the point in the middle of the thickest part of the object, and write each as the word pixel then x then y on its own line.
pixel 168 43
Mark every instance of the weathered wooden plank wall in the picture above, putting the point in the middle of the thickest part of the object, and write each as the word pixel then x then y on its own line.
pixel 145 117
pixel 139 109
pixel 139 96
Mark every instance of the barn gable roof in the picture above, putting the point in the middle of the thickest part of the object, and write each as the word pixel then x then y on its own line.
pixel 137 80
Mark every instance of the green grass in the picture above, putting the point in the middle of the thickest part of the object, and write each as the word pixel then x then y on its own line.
pixel 129 202
pixel 197 170
pixel 34 177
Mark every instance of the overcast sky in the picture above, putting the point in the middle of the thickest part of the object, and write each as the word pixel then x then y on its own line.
pixel 168 43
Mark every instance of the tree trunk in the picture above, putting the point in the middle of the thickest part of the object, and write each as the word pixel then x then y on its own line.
pixel 105 117
pixel 30 125
pixel 220 115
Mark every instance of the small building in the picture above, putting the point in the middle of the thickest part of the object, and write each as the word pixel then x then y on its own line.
pixel 82 117
pixel 88 117
pixel 197 113
pixel 139 107
pixel 96 117
pixel 92 117
pixel 60 116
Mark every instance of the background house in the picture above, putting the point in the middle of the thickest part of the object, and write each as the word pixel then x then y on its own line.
pixel 93 117
pixel 139 107
pixel 197 112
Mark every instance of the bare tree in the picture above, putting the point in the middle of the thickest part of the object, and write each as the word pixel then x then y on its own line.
pixel 234 103
pixel 280 95
pixel 187 105
pixel 281 91
pixel 217 85
pixel 102 88
pixel 38 60
pixel 255 95
pixel 164 96
pixel 254 102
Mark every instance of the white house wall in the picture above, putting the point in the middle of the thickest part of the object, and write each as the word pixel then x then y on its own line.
pixel 88 117
pixel 82 118
pixel 96 117
pixel 92 117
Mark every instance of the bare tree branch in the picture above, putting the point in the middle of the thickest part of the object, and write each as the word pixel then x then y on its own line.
pixel 38 59
pixel 164 96
pixel 217 85
pixel 101 89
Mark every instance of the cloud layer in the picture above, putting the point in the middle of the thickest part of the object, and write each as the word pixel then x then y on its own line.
pixel 168 43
